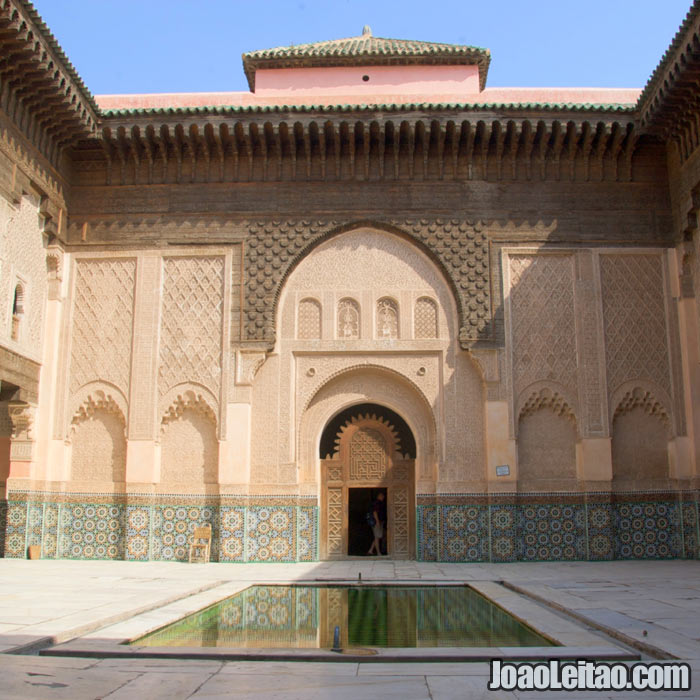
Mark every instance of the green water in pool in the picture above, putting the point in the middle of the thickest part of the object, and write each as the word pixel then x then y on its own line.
pixel 367 616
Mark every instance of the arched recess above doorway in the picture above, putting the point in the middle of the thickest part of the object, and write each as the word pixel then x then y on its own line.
pixel 329 439
pixel 362 385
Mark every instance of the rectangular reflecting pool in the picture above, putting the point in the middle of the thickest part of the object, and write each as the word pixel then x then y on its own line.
pixel 368 616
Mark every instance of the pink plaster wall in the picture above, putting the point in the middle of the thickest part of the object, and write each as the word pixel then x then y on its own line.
pixel 387 84
pixel 413 80
pixel 501 95
pixel 566 95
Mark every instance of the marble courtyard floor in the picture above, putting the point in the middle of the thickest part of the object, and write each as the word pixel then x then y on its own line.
pixel 651 608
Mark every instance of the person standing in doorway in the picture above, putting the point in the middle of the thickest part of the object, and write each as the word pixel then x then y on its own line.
pixel 379 515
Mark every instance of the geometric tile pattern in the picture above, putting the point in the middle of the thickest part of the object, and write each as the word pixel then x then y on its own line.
pixel 173 527
pixel 647 531
pixel 504 520
pixel 270 531
pixel 232 533
pixel 691 527
pixel 147 532
pixel 50 530
pixel 549 532
pixel 596 527
pixel 16 529
pixel 601 532
pixel 427 545
pixel 35 515
pixel 138 519
pixel 307 533
pixel 464 533
pixel 3 522
pixel 91 531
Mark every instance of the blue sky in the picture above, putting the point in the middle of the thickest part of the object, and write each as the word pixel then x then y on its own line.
pixel 140 46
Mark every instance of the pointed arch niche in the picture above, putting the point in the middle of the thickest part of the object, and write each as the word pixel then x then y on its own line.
pixel 98 440
pixel 641 431
pixel 189 445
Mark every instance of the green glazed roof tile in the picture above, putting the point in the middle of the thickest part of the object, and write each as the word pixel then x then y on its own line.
pixel 423 106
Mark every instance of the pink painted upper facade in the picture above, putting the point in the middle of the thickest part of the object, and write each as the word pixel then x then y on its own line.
pixel 419 81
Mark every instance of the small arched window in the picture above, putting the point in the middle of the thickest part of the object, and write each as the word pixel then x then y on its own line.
pixel 309 324
pixel 425 318
pixel 17 310
pixel 348 319
pixel 387 318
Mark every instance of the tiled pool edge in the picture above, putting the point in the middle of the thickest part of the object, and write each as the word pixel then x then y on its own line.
pixel 576 641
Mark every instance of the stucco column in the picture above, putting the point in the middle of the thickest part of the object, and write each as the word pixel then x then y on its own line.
pixel 594 461
pixel 684 451
pixel 51 452
pixel 234 452
pixel 594 450
pixel 142 448
pixel 501 449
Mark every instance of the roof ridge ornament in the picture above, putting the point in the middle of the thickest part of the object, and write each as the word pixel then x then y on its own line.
pixel 366 30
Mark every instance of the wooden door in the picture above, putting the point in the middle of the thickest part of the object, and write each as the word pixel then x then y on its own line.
pixel 367 456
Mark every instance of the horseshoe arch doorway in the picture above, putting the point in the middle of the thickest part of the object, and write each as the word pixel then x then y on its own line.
pixel 365 449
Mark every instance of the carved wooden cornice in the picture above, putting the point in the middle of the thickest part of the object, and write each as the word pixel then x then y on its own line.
pixel 39 88
pixel 669 105
pixel 446 145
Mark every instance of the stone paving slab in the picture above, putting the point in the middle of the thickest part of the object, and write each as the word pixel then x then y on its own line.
pixel 305 687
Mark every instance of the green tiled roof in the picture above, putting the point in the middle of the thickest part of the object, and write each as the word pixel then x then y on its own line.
pixel 366 50
pixel 329 109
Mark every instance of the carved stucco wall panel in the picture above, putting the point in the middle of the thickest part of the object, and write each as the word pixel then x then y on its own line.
pixel 103 312
pixel 546 449
pixel 634 315
pixel 266 428
pixel 464 465
pixel 542 321
pixel 23 259
pixel 459 246
pixel 192 322
pixel 640 443
pixel 189 448
pixel 98 437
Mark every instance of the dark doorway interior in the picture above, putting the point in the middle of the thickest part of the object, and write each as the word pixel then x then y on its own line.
pixel 359 532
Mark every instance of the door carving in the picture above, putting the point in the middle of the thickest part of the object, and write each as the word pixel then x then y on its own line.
pixel 367 455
